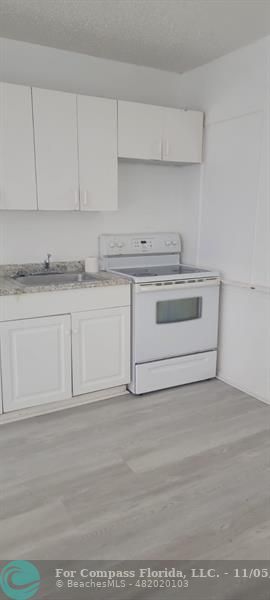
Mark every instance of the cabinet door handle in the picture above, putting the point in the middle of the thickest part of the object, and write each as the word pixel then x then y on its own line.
pixel 74 331
pixel 160 149
pixel 85 198
pixel 166 149
pixel 77 199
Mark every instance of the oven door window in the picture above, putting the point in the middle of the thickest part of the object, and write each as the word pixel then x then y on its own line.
pixel 175 311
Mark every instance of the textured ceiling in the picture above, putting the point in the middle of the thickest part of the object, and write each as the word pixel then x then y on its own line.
pixel 175 35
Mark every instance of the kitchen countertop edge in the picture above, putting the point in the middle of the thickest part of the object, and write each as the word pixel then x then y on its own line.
pixel 10 287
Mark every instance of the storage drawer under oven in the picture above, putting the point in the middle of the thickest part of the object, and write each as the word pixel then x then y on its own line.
pixel 162 374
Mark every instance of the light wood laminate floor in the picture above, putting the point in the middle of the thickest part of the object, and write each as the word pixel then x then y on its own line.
pixel 182 473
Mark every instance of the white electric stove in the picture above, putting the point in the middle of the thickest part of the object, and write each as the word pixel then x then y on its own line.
pixel 174 308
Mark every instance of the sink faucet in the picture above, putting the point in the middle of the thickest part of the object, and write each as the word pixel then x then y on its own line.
pixel 47 262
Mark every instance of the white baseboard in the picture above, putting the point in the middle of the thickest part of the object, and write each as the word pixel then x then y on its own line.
pixel 44 409
pixel 243 389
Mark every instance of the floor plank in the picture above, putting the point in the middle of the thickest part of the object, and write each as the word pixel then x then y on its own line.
pixel 177 474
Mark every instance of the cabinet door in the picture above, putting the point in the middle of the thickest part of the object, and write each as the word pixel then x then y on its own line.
pixel 17 160
pixel 1 399
pixel 182 135
pixel 100 349
pixel 36 361
pixel 139 131
pixel 55 126
pixel 97 141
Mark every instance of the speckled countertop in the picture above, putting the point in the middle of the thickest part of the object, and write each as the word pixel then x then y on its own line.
pixel 10 285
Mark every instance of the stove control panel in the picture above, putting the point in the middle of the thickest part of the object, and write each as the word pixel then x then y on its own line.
pixel 143 245
pixel 134 244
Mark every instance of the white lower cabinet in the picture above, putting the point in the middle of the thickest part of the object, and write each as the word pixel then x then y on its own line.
pixel 100 349
pixel 36 361
pixel 52 358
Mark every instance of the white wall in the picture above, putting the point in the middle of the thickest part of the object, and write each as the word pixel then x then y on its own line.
pixel 40 66
pixel 234 224
pixel 151 197
pixel 222 210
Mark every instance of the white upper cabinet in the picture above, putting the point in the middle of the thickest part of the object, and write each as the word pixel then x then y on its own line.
pixel 147 132
pixel 17 161
pixel 182 135
pixel 139 131
pixel 59 151
pixel 55 124
pixel 97 142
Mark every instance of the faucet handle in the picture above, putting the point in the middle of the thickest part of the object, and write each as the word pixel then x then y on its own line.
pixel 47 261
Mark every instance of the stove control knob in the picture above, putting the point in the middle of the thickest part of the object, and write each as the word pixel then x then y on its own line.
pixel 168 243
pixel 120 245
pixel 174 243
pixel 112 245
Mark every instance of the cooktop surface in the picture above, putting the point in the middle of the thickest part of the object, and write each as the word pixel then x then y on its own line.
pixel 161 271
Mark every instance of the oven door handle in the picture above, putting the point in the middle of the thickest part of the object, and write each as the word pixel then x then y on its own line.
pixel 174 285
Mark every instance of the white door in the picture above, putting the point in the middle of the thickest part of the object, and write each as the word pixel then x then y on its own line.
pixel 182 135
pixel 55 126
pixel 17 160
pixel 97 142
pixel 36 361
pixel 139 131
pixel 100 349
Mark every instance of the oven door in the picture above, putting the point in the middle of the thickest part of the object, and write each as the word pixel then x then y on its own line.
pixel 174 319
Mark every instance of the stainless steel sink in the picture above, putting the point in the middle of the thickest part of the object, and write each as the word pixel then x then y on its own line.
pixel 54 278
